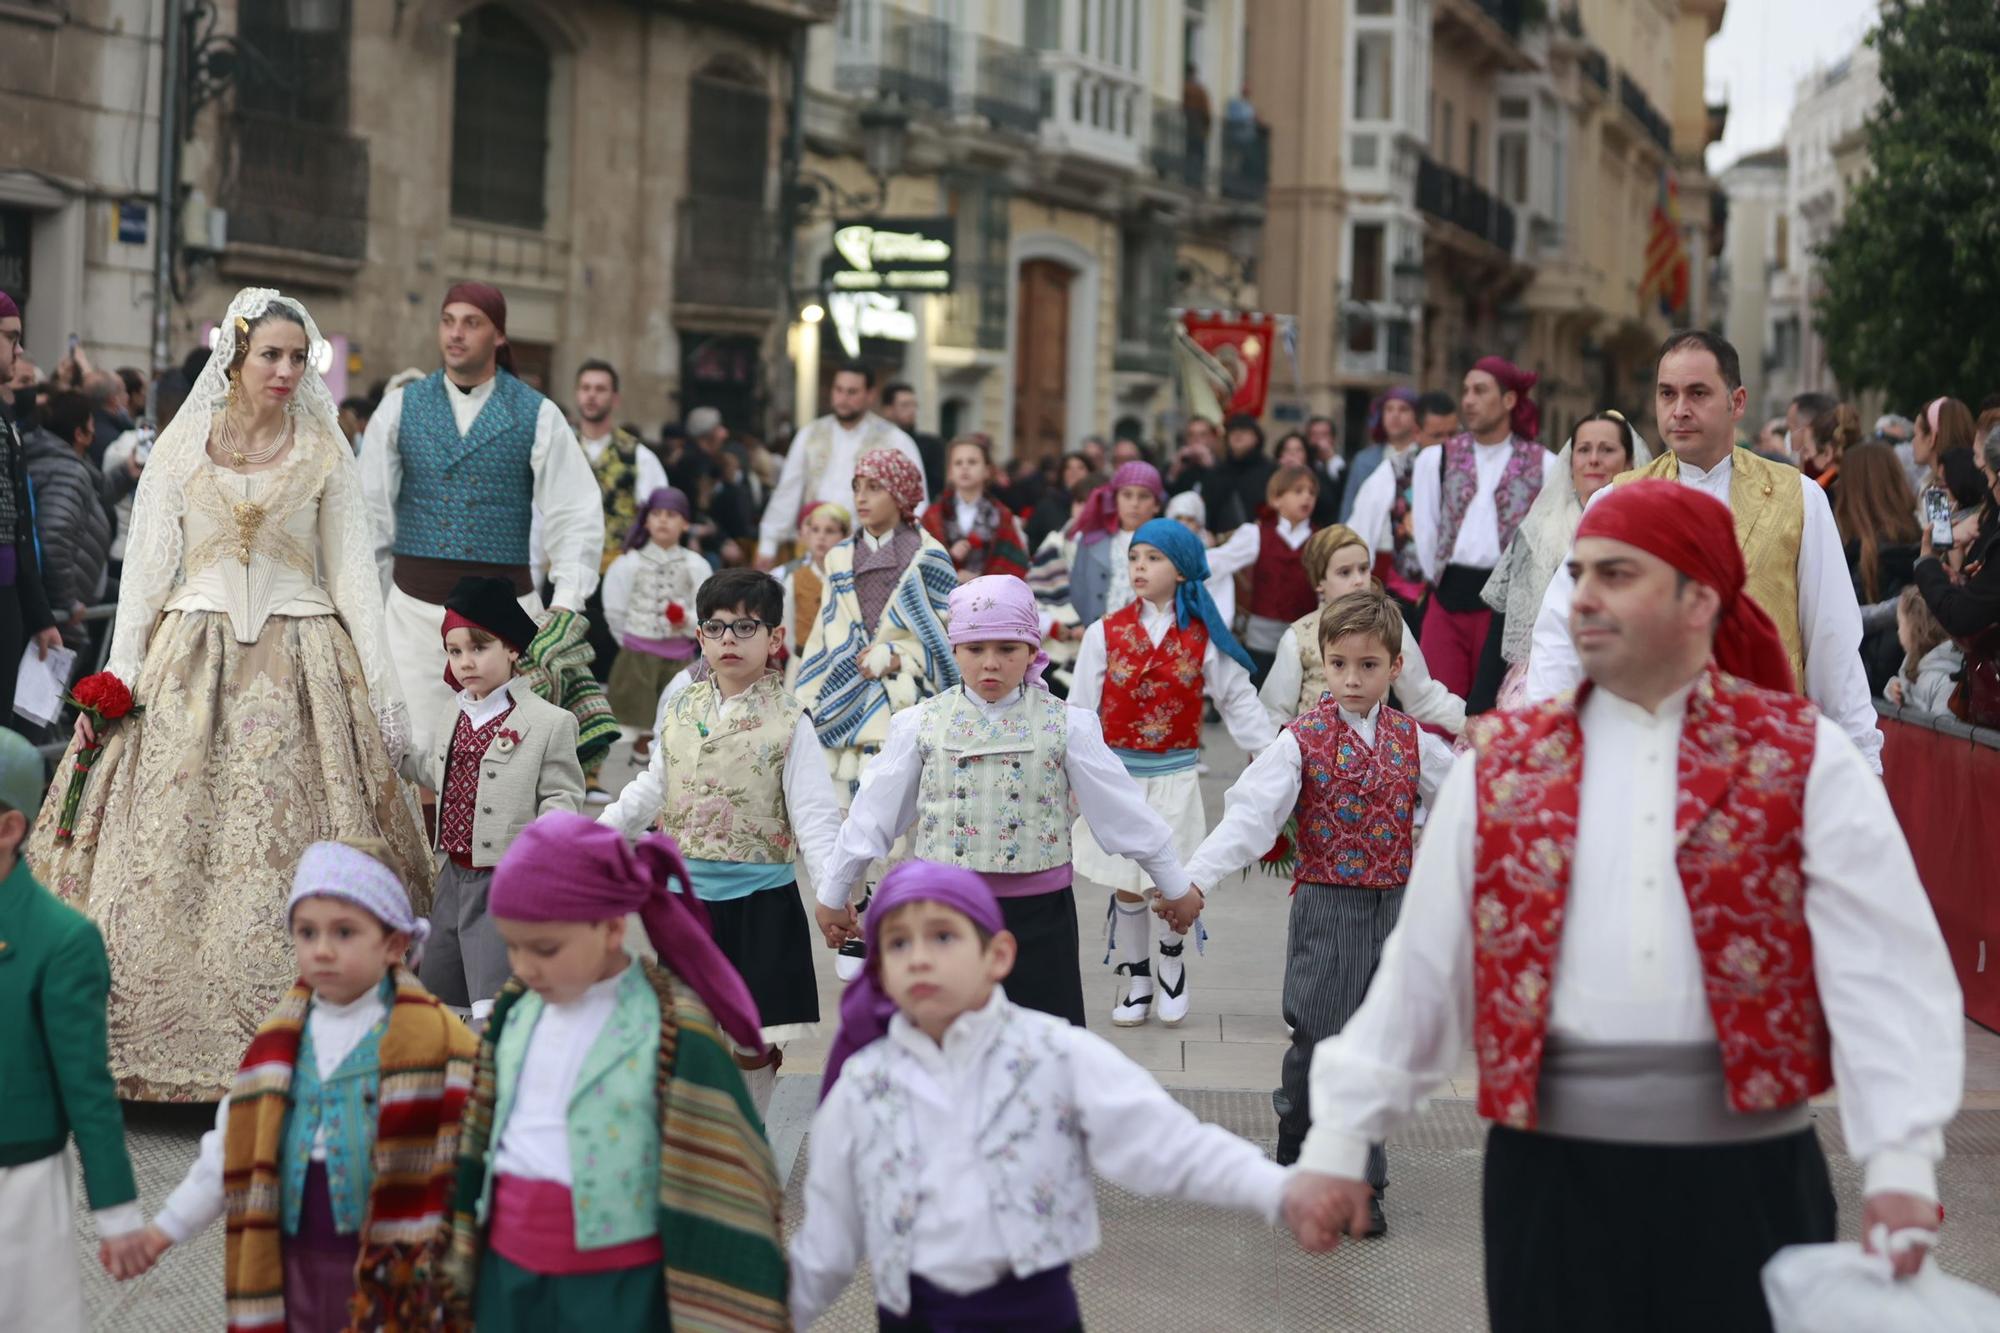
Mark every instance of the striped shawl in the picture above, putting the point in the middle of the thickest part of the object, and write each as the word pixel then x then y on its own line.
pixel 847 708
pixel 719 1191
pixel 557 667
pixel 426 1078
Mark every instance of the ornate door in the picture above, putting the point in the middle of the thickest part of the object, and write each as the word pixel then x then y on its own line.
pixel 1041 360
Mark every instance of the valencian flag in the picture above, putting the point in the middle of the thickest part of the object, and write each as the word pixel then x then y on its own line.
pixel 1225 360
pixel 1667 267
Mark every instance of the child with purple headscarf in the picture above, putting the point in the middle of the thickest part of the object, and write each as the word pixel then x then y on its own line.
pixel 958 1132
pixel 1101 534
pixel 649 602
pixel 983 777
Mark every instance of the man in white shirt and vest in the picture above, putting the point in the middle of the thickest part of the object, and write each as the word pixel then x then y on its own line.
pixel 1466 503
pixel 820 464
pixel 1666 912
pixel 455 470
pixel 1797 565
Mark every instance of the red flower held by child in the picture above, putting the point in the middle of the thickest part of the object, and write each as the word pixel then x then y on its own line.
pixel 676 613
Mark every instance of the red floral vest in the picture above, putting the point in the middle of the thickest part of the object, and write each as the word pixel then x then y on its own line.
pixel 1356 802
pixel 1279 588
pixel 1513 495
pixel 1744 756
pixel 1152 696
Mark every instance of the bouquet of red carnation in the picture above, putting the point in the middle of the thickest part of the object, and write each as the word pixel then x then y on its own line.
pixel 1283 858
pixel 103 698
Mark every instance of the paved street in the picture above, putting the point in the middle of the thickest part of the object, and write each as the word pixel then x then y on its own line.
pixel 1166 1265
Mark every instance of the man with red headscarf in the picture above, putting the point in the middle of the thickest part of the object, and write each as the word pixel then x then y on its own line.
pixel 1465 506
pixel 454 469
pixel 1665 912
pixel 1797 566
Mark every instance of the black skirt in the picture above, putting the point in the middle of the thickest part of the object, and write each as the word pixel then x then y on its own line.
pixel 1047 974
pixel 766 936
pixel 1589 1235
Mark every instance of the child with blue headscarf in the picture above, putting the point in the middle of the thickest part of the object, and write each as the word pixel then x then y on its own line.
pixel 1144 670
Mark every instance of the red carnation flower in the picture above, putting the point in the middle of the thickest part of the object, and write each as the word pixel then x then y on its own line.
pixel 675 613
pixel 104 696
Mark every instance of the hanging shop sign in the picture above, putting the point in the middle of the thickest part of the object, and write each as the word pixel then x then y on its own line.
pixel 858 315
pixel 892 255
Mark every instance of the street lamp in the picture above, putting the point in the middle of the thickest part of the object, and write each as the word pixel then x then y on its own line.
pixel 885 136
pixel 1407 284
pixel 1510 321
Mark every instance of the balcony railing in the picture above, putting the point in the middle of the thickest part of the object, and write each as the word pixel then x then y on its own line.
pixel 1634 100
pixel 1450 197
pixel 1095 109
pixel 1246 162
pixel 1171 152
pixel 1596 68
pixel 1377 340
pixel 1007 87
pixel 726 255
pixel 910 62
pixel 294 186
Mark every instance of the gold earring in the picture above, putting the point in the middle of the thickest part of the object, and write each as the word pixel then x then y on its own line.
pixel 229 399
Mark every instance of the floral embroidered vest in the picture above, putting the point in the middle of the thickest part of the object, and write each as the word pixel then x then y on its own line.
pixel 458 804
pixel 994 796
pixel 1513 495
pixel 1030 1138
pixel 617 471
pixel 1312 663
pixel 1739 818
pixel 343 1105
pixel 1356 801
pixel 1770 513
pixel 614 1115
pixel 1152 695
pixel 663 578
pixel 725 777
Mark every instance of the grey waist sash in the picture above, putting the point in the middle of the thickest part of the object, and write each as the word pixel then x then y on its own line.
pixel 1634 1092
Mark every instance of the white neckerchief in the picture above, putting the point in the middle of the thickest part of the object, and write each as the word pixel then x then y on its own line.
pixel 481 711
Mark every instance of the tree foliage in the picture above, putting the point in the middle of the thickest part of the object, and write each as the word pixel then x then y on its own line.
pixel 1912 271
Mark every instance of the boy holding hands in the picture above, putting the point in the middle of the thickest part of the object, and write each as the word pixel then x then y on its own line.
pixel 1351 770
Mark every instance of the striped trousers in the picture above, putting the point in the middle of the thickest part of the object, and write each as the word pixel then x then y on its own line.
pixel 1333 945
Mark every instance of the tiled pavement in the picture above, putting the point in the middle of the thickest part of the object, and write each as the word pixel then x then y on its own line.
pixel 1167 1265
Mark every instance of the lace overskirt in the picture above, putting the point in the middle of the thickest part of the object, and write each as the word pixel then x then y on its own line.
pixel 193 821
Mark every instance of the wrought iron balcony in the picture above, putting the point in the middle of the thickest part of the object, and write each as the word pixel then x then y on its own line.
pixel 725 254
pixel 1008 86
pixel 293 186
pixel 1246 162
pixel 1177 155
pixel 1596 68
pixel 910 62
pixel 1450 197
pixel 1634 100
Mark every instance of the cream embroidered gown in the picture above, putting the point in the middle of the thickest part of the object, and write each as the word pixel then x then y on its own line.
pixel 267 699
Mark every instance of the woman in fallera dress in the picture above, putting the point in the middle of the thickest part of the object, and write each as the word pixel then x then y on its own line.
pixel 249 629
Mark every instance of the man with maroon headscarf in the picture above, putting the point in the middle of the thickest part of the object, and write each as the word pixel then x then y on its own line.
pixel 454 468
pixel 1465 505
pixel 1665 911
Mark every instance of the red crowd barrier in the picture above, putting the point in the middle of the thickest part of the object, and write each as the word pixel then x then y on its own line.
pixel 1942 778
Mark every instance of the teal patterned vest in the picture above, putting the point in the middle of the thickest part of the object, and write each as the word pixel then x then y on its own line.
pixel 994 795
pixel 345 1105
pixel 467 498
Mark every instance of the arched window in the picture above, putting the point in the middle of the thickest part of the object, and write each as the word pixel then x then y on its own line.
pixel 500 121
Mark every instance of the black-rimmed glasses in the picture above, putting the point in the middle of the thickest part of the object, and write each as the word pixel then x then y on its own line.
pixel 742 629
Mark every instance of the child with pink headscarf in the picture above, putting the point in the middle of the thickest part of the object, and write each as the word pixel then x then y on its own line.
pixel 982 776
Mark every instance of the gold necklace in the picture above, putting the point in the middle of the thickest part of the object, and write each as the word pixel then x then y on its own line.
pixel 229 431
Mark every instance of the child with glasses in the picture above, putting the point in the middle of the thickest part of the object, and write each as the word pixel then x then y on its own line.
pixel 738 778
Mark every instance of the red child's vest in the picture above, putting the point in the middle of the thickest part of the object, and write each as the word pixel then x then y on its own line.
pixel 1739 820
pixel 1356 801
pixel 1152 696
pixel 1279 588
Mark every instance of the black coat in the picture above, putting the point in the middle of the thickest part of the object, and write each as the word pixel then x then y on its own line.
pixel 75 525
pixel 1967 609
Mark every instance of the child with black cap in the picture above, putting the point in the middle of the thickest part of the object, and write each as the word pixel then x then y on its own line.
pixel 508 757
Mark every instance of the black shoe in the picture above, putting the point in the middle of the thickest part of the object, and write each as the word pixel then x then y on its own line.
pixel 1288 1148
pixel 1378 1221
